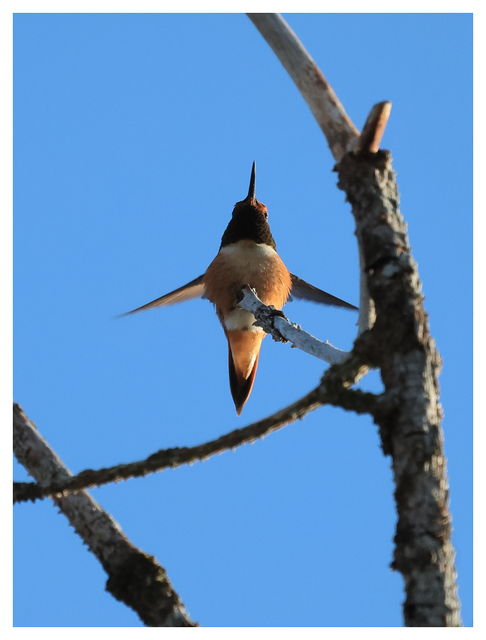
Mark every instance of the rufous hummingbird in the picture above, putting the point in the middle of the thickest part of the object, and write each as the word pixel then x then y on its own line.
pixel 247 255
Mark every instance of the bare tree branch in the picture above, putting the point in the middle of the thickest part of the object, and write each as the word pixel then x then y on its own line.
pixel 169 458
pixel 281 329
pixel 340 132
pixel 369 142
pixel 334 390
pixel 134 577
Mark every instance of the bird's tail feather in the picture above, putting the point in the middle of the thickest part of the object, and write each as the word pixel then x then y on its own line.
pixel 243 354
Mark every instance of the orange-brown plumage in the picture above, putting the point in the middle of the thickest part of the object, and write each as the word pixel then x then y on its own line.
pixel 243 354
pixel 259 266
pixel 245 262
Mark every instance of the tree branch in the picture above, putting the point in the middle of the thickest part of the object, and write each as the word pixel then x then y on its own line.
pixel 369 142
pixel 334 390
pixel 167 458
pixel 401 346
pixel 329 113
pixel 281 329
pixel 134 577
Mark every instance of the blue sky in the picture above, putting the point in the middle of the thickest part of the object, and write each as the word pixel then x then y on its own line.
pixel 133 138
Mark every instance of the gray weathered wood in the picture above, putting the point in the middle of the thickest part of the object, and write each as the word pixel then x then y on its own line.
pixel 133 576
pixel 280 327
pixel 329 113
pixel 400 345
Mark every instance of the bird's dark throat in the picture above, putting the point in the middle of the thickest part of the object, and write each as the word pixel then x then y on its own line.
pixel 248 223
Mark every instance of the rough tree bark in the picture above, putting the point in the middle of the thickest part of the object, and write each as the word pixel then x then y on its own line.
pixel 134 577
pixel 400 345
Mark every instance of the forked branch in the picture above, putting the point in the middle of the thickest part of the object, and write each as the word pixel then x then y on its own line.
pixel 397 342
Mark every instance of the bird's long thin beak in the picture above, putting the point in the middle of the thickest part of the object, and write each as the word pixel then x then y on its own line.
pixel 251 190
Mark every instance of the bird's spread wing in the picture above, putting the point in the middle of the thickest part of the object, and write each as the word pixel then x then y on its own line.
pixel 302 290
pixel 193 289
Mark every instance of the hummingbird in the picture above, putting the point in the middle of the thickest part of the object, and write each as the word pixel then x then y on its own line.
pixel 247 256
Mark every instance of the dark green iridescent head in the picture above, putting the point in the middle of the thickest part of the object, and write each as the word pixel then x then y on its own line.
pixel 249 220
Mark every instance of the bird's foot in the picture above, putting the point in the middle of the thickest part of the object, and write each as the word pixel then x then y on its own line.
pixel 269 317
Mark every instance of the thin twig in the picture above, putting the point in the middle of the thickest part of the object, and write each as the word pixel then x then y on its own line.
pixel 170 458
pixel 334 389
pixel 278 326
